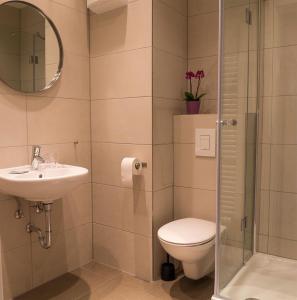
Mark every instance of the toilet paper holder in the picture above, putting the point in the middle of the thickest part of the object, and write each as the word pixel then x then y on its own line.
pixel 143 164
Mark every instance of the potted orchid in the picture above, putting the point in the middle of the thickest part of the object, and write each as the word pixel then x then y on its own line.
pixel 193 100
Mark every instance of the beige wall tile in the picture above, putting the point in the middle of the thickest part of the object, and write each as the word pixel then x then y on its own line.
pixel 108 249
pixel 122 120
pixel 133 80
pixel 180 5
pixel 185 125
pixel 77 207
pixel 235 32
pixel 56 121
pixel 266 120
pixel 208 106
pixel 284 68
pixel 283 168
pixel 13 156
pixel 76 4
pixel 106 163
pixel 12 231
pixel 163 114
pixel 123 208
pixel 13 120
pixel 282 247
pixel 162 214
pixel 70 250
pixel 162 166
pixel 45 264
pixel 195 203
pixel 162 207
pixel 268 24
pixel 284 23
pixel 265 166
pixel 197 172
pixel 79 246
pixel 197 27
pixel 209 84
pixel 169 75
pixel 122 29
pixel 16 271
pixel 262 243
pixel 252 78
pixel 202 6
pixel 268 72
pixel 170 30
pixel 284 123
pixel 264 216
pixel 282 221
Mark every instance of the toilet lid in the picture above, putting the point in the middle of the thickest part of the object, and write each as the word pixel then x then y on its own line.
pixel 188 231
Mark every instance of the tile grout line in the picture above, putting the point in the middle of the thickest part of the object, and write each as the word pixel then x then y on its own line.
pixel 91 132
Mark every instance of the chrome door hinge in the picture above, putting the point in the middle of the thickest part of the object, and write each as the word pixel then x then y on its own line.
pixel 248 16
pixel 244 223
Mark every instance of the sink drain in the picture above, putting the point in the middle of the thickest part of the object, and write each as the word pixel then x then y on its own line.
pixel 252 299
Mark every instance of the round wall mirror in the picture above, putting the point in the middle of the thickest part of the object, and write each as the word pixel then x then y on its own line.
pixel 31 51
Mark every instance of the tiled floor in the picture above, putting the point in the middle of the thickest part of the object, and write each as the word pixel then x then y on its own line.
pixel 264 277
pixel 94 282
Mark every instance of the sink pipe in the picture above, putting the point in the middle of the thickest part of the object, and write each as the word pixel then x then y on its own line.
pixel 19 214
pixel 45 239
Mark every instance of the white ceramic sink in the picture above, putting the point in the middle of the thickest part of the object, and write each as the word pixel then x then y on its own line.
pixel 46 185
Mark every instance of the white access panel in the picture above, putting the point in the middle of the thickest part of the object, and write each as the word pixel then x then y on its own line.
pixel 205 142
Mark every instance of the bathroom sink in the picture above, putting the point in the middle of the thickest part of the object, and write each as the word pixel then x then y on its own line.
pixel 46 185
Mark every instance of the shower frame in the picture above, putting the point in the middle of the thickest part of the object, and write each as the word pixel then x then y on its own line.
pixel 220 123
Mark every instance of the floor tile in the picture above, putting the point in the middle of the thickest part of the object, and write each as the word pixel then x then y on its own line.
pixel 95 281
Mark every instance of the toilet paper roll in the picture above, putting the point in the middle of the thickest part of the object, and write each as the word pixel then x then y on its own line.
pixel 128 170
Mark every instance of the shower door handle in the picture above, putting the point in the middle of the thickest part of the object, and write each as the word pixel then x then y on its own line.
pixel 230 122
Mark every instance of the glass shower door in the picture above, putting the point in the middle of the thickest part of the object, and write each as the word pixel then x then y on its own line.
pixel 237 137
pixel 252 15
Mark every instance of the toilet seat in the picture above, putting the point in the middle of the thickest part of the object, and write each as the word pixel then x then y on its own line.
pixel 188 232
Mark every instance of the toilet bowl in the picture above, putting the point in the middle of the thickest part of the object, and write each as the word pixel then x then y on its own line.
pixel 191 241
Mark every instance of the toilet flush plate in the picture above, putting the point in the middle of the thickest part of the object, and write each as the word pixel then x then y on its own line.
pixel 205 142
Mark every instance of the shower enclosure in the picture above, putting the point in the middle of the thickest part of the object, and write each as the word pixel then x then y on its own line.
pixel 256 247
pixel 237 138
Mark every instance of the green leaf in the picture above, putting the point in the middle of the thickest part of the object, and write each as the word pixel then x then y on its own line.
pixel 202 95
pixel 189 96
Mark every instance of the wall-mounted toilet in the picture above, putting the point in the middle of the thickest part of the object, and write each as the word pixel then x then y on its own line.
pixel 191 241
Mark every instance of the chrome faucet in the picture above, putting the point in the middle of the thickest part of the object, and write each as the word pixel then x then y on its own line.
pixel 36 157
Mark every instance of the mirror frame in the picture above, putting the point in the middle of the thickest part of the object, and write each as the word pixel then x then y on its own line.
pixel 58 73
